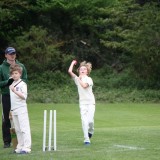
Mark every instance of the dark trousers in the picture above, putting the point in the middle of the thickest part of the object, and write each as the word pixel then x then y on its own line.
pixel 6 125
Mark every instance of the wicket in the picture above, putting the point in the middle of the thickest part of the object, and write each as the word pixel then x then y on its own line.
pixel 52 122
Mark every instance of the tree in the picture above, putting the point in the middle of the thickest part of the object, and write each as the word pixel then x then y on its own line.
pixel 132 36
pixel 13 17
pixel 37 49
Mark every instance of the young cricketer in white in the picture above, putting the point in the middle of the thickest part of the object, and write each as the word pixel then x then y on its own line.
pixel 18 94
pixel 86 98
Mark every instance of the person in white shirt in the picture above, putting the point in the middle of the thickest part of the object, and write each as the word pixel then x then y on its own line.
pixel 18 95
pixel 86 97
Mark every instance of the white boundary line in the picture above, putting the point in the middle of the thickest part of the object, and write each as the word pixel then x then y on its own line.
pixel 128 147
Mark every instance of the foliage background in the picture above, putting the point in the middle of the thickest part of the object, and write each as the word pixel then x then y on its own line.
pixel 120 37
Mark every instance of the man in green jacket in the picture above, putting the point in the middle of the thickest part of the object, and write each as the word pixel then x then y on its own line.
pixel 5 82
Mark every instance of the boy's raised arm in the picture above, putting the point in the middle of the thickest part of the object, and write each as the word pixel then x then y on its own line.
pixel 70 70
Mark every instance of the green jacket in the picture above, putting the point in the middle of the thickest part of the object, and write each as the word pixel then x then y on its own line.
pixel 4 75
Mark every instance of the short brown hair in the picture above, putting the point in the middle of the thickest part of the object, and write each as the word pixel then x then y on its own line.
pixel 15 67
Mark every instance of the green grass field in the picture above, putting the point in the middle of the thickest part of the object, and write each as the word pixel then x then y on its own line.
pixel 122 132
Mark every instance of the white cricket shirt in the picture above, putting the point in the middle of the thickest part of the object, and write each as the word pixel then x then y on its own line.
pixel 86 95
pixel 16 101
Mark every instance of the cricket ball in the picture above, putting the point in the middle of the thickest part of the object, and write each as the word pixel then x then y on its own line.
pixel 75 62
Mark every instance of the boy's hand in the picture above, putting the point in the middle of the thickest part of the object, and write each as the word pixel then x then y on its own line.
pixel 74 62
pixel 11 87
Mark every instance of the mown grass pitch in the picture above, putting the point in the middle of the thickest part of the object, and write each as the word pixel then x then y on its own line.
pixel 122 132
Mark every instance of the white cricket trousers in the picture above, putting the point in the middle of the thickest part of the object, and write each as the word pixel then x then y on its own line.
pixel 87 118
pixel 22 127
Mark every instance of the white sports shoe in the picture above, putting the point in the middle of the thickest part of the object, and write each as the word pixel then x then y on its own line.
pixel 17 151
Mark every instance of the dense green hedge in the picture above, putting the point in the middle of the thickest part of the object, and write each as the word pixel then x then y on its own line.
pixel 60 88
